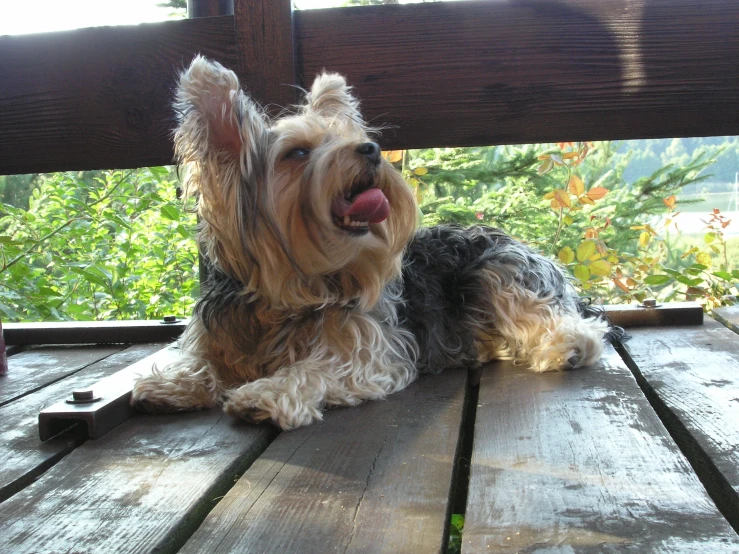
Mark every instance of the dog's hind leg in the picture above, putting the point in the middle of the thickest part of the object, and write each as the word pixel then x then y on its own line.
pixel 547 333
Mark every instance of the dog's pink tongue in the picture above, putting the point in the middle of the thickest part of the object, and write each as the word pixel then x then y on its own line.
pixel 371 205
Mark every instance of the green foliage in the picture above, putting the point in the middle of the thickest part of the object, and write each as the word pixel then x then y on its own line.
pixel 118 244
pixel 99 245
pixel 179 8
pixel 572 201
pixel 455 534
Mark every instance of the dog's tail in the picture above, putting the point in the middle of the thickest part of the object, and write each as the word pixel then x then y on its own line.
pixel 615 333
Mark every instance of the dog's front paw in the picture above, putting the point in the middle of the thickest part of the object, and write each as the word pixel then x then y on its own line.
pixel 150 397
pixel 256 406
pixel 173 391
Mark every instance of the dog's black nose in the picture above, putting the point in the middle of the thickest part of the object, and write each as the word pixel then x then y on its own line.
pixel 371 150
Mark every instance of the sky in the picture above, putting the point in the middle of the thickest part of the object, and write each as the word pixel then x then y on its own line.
pixel 41 16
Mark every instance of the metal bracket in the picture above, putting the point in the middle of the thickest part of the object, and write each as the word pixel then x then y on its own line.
pixel 652 315
pixel 104 405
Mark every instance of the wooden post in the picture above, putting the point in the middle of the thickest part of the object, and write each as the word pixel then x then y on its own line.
pixel 207 8
pixel 266 51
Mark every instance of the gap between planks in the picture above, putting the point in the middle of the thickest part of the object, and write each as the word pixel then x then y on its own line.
pixel 678 387
pixel 373 478
pixel 579 461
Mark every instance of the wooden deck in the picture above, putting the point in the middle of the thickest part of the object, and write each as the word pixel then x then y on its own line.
pixel 638 454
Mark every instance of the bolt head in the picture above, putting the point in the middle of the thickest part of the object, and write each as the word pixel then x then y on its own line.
pixel 82 394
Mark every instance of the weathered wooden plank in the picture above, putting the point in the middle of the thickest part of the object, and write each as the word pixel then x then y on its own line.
pixel 37 367
pixel 729 316
pixel 113 404
pixel 142 488
pixel 442 74
pixel 24 456
pixel 578 462
pixel 98 98
pixel 691 376
pixel 98 332
pixel 376 478
pixel 471 73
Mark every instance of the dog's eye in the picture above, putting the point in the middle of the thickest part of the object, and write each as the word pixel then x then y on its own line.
pixel 297 153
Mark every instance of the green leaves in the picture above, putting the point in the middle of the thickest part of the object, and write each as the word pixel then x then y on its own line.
pixel 98 245
pixel 456 529
pixel 585 250
pixel 657 279
pixel 169 212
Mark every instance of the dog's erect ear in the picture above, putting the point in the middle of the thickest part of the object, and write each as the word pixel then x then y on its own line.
pixel 330 97
pixel 214 113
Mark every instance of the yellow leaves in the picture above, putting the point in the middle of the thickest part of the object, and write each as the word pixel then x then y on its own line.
pixel 670 201
pixel 704 258
pixel 572 153
pixel 561 199
pixel 393 156
pixel 546 167
pixel 587 262
pixel 574 196
pixel 620 284
pixel 586 200
pixel 596 193
pixel 645 237
pixel 585 250
pixel 421 171
pixel 566 255
pixel 576 186
pixel 581 272
pixel 600 267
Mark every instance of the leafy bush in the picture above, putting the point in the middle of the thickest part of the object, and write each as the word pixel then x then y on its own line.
pixel 98 245
pixel 572 201
pixel 118 244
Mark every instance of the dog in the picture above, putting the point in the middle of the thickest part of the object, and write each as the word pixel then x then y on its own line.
pixel 322 291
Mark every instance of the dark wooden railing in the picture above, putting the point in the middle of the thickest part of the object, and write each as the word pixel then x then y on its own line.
pixel 442 74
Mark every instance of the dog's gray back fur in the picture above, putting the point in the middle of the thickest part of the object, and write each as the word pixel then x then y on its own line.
pixel 444 287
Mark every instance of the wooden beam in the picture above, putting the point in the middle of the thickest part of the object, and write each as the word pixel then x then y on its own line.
pixel 474 73
pixel 93 332
pixel 98 98
pixel 443 74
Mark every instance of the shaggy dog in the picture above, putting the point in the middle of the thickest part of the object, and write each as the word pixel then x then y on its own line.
pixel 322 291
